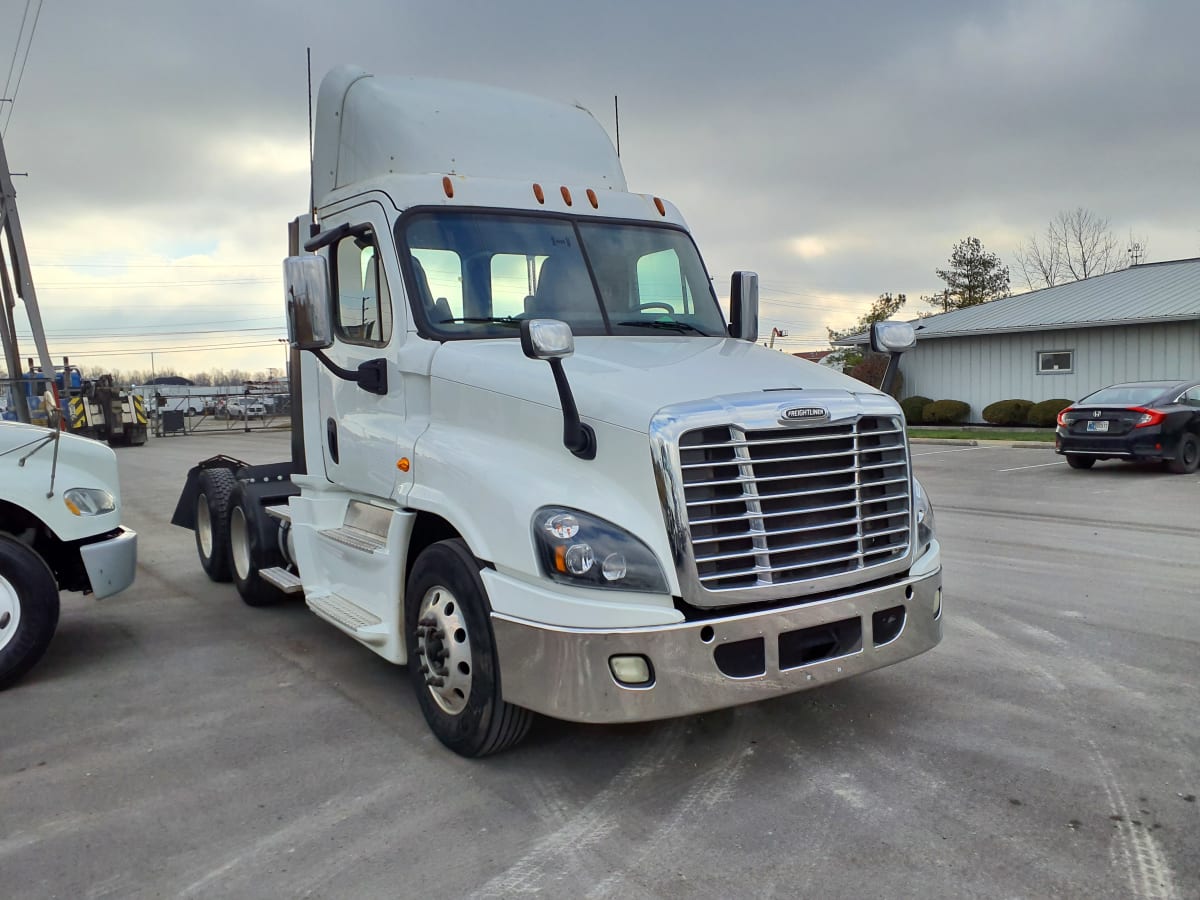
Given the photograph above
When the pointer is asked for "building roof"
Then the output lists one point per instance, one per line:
(1152, 292)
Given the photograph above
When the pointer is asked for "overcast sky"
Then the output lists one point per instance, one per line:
(838, 149)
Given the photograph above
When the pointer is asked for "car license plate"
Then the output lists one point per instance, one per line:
(1097, 426)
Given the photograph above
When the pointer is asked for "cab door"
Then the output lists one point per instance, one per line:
(358, 429)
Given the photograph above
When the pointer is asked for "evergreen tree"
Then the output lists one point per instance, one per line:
(974, 276)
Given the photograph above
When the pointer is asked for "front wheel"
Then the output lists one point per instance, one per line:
(28, 609)
(1075, 461)
(452, 654)
(1187, 457)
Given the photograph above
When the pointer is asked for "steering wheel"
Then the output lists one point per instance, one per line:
(665, 307)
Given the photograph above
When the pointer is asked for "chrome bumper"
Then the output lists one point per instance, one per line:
(564, 672)
(111, 563)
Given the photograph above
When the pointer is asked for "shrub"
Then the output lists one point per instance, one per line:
(914, 408)
(1008, 412)
(1046, 412)
(946, 412)
(871, 371)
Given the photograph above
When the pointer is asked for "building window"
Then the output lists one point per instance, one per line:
(1056, 362)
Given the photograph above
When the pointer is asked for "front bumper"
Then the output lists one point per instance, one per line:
(564, 672)
(110, 563)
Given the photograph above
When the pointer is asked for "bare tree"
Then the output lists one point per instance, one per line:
(1077, 244)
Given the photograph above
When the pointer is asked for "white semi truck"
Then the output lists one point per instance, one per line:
(530, 457)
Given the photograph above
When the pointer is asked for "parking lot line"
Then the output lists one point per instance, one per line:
(1058, 462)
(955, 450)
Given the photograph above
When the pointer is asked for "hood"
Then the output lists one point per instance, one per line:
(625, 380)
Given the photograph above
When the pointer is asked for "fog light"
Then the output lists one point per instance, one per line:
(630, 669)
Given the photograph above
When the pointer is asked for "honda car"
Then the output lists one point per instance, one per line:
(1140, 420)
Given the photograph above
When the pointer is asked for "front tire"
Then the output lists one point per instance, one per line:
(249, 553)
(1075, 461)
(28, 609)
(212, 522)
(1187, 457)
(452, 654)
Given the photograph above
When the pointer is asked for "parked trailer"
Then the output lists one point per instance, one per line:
(670, 520)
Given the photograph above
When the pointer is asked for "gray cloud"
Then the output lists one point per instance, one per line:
(879, 132)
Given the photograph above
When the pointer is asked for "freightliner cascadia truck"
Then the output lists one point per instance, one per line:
(532, 460)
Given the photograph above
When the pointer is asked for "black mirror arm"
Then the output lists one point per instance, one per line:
(578, 437)
(890, 373)
(371, 375)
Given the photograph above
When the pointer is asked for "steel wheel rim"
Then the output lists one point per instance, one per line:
(1189, 458)
(10, 612)
(239, 542)
(444, 650)
(204, 526)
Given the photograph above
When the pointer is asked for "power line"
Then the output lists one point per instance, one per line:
(20, 74)
(131, 351)
(71, 265)
(109, 285)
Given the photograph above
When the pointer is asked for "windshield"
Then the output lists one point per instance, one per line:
(477, 275)
(1132, 394)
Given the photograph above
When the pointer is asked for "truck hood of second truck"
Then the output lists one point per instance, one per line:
(624, 381)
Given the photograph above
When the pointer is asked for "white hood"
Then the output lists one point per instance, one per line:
(625, 380)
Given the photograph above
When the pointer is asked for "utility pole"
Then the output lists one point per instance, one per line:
(22, 282)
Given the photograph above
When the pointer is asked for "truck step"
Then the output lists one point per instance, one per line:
(351, 618)
(283, 512)
(282, 579)
(366, 541)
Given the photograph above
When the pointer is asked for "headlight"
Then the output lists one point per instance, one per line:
(575, 548)
(926, 523)
(89, 501)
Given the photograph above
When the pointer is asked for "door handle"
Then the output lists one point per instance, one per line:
(331, 439)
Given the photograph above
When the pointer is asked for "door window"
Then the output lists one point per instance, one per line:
(364, 305)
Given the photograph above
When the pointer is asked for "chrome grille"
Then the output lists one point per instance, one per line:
(783, 505)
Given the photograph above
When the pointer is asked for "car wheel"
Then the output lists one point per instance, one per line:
(212, 522)
(1187, 457)
(1075, 461)
(28, 609)
(452, 654)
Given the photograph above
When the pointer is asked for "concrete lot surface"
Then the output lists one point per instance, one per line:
(176, 743)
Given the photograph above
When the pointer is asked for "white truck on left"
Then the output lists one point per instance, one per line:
(60, 529)
(60, 501)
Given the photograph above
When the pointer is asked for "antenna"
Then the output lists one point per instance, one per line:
(617, 116)
(311, 199)
(1136, 251)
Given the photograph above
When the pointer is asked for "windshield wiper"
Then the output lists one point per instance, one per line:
(675, 326)
(476, 320)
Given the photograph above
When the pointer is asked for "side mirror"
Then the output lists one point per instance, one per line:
(743, 306)
(309, 310)
(552, 340)
(893, 337)
(50, 408)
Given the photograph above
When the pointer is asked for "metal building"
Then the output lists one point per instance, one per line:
(1138, 324)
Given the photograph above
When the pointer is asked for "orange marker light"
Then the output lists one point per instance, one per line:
(658, 204)
(560, 558)
(537, 192)
(447, 186)
(591, 195)
(566, 195)
(403, 464)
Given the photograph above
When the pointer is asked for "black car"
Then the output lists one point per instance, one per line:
(1140, 420)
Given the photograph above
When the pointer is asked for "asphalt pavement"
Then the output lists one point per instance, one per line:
(176, 743)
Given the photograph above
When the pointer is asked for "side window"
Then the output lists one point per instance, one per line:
(1192, 397)
(439, 283)
(364, 305)
(661, 285)
(1056, 362)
